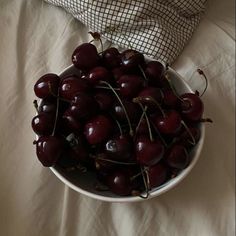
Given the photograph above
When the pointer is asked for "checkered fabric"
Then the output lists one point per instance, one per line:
(157, 28)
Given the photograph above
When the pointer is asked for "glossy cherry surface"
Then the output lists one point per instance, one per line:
(148, 152)
(43, 123)
(98, 74)
(47, 86)
(85, 56)
(98, 129)
(49, 149)
(72, 85)
(154, 71)
(130, 85)
(177, 157)
(157, 175)
(131, 58)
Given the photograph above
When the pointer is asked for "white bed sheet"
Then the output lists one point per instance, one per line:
(36, 38)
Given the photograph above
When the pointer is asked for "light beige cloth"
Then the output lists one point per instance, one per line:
(36, 38)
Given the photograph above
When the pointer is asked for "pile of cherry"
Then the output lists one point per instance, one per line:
(121, 118)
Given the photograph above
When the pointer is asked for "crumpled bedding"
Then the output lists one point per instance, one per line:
(37, 38)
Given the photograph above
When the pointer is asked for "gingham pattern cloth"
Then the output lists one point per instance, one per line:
(157, 28)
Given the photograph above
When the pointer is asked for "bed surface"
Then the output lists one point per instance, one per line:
(36, 38)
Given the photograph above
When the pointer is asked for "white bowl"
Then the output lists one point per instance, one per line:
(84, 182)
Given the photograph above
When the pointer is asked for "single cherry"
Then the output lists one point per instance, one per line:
(130, 85)
(157, 175)
(154, 71)
(83, 106)
(98, 129)
(49, 149)
(47, 105)
(169, 123)
(119, 148)
(131, 108)
(43, 124)
(71, 122)
(131, 58)
(104, 99)
(72, 85)
(177, 157)
(47, 86)
(97, 74)
(155, 93)
(191, 107)
(111, 57)
(170, 100)
(85, 56)
(119, 182)
(148, 152)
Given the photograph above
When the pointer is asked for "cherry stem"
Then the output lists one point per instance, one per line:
(148, 98)
(189, 132)
(36, 105)
(137, 175)
(96, 37)
(119, 126)
(143, 73)
(145, 184)
(131, 132)
(54, 95)
(148, 123)
(102, 87)
(206, 80)
(158, 133)
(140, 120)
(91, 41)
(56, 115)
(115, 162)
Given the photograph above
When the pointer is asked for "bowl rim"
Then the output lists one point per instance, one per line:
(156, 191)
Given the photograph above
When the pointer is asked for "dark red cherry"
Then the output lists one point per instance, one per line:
(191, 107)
(80, 150)
(169, 99)
(131, 58)
(85, 56)
(157, 175)
(97, 74)
(148, 152)
(43, 124)
(118, 72)
(131, 108)
(72, 85)
(47, 86)
(154, 71)
(47, 105)
(98, 129)
(119, 182)
(130, 85)
(83, 106)
(111, 57)
(71, 122)
(49, 149)
(104, 99)
(155, 93)
(168, 124)
(187, 140)
(177, 157)
(119, 148)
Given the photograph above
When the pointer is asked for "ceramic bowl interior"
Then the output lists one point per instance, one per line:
(85, 182)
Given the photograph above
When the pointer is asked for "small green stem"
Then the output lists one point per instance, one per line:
(143, 73)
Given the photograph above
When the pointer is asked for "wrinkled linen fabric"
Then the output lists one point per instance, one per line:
(157, 28)
(37, 38)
